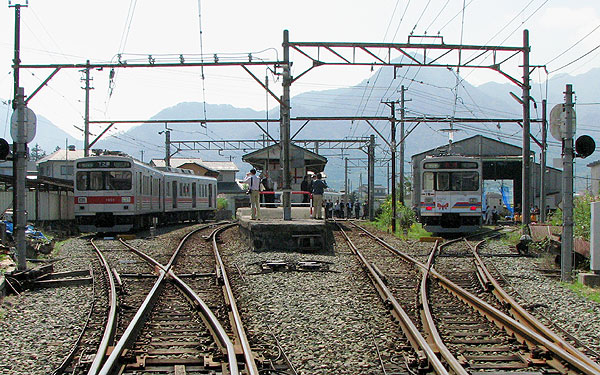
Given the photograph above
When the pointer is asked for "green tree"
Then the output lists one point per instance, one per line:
(405, 216)
(36, 153)
(582, 208)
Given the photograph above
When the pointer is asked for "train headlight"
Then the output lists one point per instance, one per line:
(82, 200)
(126, 199)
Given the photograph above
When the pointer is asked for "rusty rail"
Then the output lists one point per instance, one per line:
(429, 323)
(111, 322)
(138, 320)
(412, 333)
(522, 315)
(215, 326)
(237, 320)
(523, 333)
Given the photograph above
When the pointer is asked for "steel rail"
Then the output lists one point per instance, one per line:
(415, 338)
(230, 298)
(429, 323)
(215, 326)
(140, 316)
(521, 314)
(69, 357)
(111, 323)
(519, 330)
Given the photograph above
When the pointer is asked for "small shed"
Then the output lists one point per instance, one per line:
(595, 176)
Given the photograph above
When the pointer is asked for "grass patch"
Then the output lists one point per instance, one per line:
(415, 232)
(57, 246)
(583, 291)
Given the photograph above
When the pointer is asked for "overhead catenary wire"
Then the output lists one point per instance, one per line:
(202, 60)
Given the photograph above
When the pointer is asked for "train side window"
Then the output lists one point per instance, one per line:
(428, 181)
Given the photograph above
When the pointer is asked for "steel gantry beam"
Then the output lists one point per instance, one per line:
(244, 144)
(438, 54)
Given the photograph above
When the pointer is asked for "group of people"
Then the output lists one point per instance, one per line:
(315, 186)
(354, 210)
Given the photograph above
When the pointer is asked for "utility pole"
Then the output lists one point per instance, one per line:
(167, 133)
(566, 252)
(346, 188)
(526, 171)
(543, 164)
(86, 135)
(402, 110)
(371, 178)
(284, 131)
(392, 106)
(19, 151)
(142, 152)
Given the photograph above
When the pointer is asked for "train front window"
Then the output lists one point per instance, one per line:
(451, 181)
(465, 181)
(443, 181)
(104, 180)
(428, 181)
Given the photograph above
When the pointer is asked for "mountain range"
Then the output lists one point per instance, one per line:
(428, 92)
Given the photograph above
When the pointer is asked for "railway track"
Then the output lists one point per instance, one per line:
(394, 292)
(471, 328)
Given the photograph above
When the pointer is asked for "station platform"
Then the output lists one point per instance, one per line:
(272, 233)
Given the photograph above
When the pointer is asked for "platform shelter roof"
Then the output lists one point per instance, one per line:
(299, 158)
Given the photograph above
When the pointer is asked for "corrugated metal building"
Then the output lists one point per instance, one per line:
(501, 161)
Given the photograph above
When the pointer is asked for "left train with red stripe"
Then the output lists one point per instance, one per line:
(116, 193)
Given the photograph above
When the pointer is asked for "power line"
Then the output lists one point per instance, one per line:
(576, 43)
(574, 61)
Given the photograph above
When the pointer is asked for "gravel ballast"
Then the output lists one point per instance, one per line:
(38, 328)
(326, 322)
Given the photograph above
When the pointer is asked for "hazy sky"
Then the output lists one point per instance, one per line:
(72, 31)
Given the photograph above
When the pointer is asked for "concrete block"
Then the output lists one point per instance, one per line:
(590, 279)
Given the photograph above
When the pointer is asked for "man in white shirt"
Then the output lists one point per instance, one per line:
(254, 185)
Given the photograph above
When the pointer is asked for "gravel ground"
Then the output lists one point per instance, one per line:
(575, 314)
(39, 327)
(327, 322)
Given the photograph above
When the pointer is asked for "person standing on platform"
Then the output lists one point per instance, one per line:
(318, 189)
(305, 185)
(267, 186)
(254, 188)
(357, 210)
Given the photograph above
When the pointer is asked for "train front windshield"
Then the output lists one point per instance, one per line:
(451, 181)
(103, 180)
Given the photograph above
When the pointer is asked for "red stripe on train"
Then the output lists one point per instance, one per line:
(104, 200)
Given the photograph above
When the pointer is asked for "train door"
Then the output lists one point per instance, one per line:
(174, 194)
(138, 200)
(194, 195)
(210, 195)
(160, 194)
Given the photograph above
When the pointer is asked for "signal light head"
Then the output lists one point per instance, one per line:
(584, 146)
(4, 149)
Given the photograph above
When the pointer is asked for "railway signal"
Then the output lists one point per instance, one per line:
(584, 146)
(4, 149)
